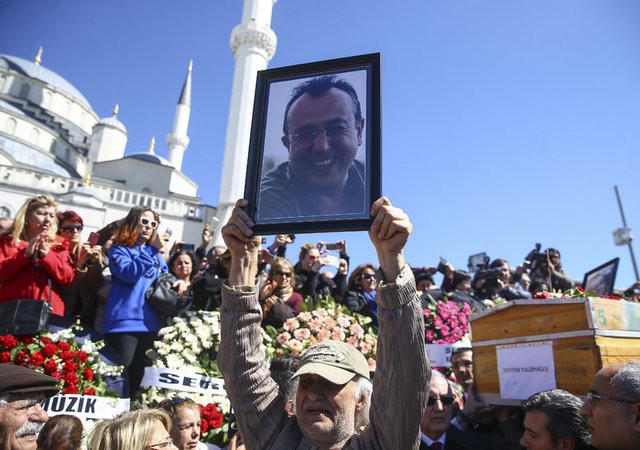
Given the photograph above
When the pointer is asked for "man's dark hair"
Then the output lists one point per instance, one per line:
(562, 410)
(317, 87)
(496, 263)
(458, 350)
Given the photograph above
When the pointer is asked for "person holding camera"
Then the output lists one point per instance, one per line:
(309, 280)
(493, 282)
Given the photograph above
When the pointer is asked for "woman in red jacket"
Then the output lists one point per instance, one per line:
(33, 260)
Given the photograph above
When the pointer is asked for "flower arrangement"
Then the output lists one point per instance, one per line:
(77, 365)
(446, 322)
(328, 321)
(190, 343)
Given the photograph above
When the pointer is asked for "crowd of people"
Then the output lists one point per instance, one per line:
(327, 398)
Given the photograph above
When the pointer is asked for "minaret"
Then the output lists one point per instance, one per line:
(177, 140)
(253, 43)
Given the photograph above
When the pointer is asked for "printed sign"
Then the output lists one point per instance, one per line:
(179, 380)
(525, 369)
(439, 354)
(85, 406)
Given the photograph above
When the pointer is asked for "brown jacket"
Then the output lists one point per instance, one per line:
(402, 372)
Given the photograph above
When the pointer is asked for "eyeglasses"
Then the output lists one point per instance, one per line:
(333, 132)
(446, 400)
(72, 228)
(368, 276)
(592, 397)
(167, 443)
(459, 364)
(282, 273)
(144, 222)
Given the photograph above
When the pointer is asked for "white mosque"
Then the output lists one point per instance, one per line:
(53, 142)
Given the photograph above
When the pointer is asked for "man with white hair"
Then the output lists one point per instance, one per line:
(612, 407)
(333, 393)
(21, 416)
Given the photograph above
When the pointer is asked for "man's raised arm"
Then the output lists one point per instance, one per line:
(402, 368)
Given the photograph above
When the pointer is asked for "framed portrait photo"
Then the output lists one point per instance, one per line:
(601, 279)
(314, 152)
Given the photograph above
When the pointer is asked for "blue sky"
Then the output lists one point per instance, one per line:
(504, 123)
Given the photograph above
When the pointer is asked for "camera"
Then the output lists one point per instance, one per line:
(292, 237)
(333, 246)
(533, 254)
(490, 277)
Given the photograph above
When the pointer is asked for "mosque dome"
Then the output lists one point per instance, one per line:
(38, 72)
(150, 157)
(112, 122)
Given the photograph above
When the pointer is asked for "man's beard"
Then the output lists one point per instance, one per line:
(29, 428)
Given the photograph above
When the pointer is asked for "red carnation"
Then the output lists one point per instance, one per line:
(9, 341)
(82, 356)
(64, 346)
(70, 378)
(36, 359)
(70, 366)
(216, 420)
(56, 375)
(45, 340)
(21, 356)
(89, 391)
(204, 427)
(66, 355)
(210, 409)
(5, 357)
(70, 389)
(50, 366)
(88, 374)
(27, 340)
(49, 349)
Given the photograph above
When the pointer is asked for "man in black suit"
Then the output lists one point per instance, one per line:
(436, 430)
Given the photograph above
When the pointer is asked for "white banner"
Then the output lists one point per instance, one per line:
(525, 369)
(86, 406)
(179, 380)
(439, 354)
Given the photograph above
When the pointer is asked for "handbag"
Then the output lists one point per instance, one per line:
(23, 317)
(161, 297)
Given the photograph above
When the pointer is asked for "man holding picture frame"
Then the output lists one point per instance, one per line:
(322, 131)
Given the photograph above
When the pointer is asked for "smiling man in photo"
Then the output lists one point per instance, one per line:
(322, 132)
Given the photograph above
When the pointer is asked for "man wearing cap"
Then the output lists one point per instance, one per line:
(21, 416)
(332, 397)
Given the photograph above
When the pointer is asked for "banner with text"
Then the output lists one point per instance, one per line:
(86, 406)
(525, 369)
(439, 354)
(179, 380)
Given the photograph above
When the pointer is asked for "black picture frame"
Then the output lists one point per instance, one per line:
(601, 279)
(279, 201)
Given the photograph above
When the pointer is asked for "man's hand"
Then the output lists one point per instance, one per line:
(206, 236)
(243, 246)
(389, 233)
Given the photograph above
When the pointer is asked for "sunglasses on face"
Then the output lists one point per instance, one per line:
(368, 276)
(282, 273)
(446, 400)
(72, 228)
(144, 222)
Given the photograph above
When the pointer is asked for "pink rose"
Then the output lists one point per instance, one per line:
(302, 334)
(283, 338)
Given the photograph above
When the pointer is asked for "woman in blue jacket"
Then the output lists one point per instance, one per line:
(130, 324)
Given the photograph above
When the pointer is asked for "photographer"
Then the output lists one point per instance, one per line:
(493, 282)
(309, 280)
(546, 266)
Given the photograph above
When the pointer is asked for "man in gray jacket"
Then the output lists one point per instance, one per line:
(330, 398)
